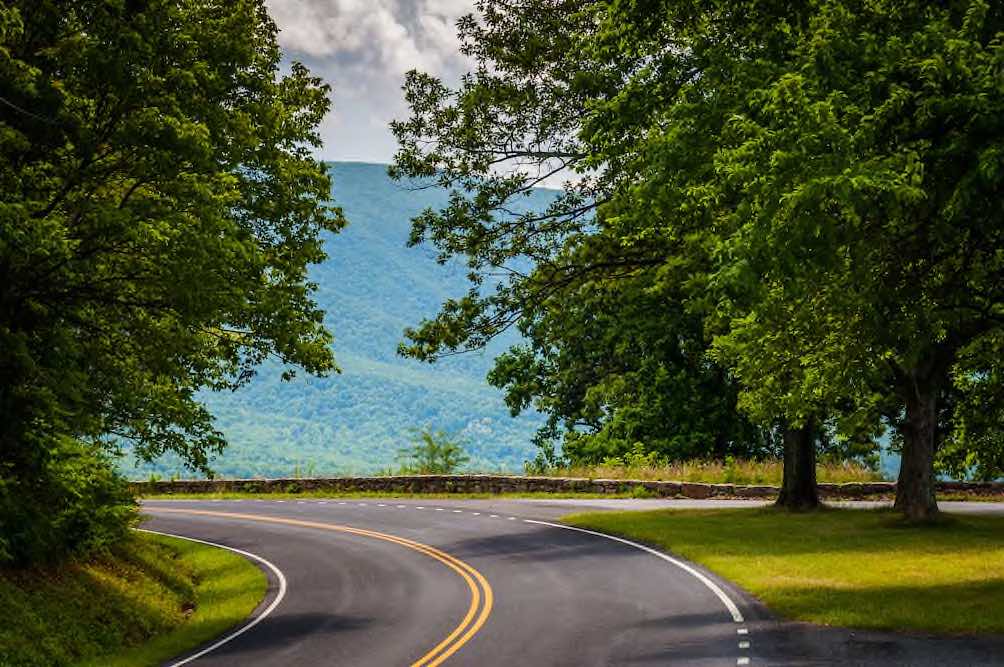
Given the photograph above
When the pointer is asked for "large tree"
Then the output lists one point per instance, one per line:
(633, 98)
(838, 163)
(685, 73)
(872, 173)
(159, 209)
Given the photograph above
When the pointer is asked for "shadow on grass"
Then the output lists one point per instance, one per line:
(84, 613)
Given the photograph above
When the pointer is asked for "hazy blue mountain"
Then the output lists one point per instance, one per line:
(371, 286)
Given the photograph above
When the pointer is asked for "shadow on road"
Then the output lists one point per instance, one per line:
(281, 629)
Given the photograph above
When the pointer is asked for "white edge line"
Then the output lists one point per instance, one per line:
(715, 588)
(254, 621)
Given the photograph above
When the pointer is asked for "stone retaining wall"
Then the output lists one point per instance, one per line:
(521, 484)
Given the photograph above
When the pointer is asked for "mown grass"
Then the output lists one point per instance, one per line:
(852, 568)
(141, 604)
(718, 472)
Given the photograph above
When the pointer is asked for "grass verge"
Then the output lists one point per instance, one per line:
(852, 568)
(141, 604)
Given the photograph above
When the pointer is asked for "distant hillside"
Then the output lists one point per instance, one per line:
(371, 287)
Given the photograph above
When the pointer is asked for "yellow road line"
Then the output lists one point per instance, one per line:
(481, 592)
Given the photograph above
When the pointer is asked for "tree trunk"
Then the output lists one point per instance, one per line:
(721, 445)
(798, 489)
(915, 487)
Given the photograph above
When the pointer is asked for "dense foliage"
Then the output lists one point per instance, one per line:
(159, 208)
(612, 355)
(618, 362)
(74, 504)
(816, 184)
(871, 169)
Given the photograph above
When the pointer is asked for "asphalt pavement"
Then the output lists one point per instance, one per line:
(498, 582)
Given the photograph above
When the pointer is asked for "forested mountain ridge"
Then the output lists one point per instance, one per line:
(371, 287)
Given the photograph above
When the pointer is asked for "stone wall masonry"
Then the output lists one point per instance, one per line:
(495, 484)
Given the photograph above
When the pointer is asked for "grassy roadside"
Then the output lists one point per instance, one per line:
(853, 568)
(141, 604)
(730, 471)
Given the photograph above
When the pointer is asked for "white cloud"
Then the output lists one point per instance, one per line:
(398, 33)
(363, 49)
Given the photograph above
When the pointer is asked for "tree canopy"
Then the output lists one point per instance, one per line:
(871, 175)
(816, 183)
(159, 208)
(615, 360)
(522, 117)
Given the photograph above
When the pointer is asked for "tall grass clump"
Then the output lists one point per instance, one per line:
(637, 464)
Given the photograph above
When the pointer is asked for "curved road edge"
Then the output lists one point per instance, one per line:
(733, 608)
(482, 595)
(255, 618)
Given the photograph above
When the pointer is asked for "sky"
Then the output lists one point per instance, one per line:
(363, 48)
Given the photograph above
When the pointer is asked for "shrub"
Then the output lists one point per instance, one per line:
(433, 453)
(635, 457)
(76, 505)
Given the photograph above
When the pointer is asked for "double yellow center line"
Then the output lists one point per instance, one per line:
(481, 592)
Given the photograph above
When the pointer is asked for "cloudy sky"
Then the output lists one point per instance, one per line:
(363, 48)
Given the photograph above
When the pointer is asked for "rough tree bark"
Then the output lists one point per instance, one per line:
(915, 488)
(798, 488)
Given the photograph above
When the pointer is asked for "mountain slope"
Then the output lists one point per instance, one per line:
(372, 286)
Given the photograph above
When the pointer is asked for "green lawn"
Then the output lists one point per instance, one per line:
(148, 601)
(854, 568)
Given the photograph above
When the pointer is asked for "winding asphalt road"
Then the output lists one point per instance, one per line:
(483, 583)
